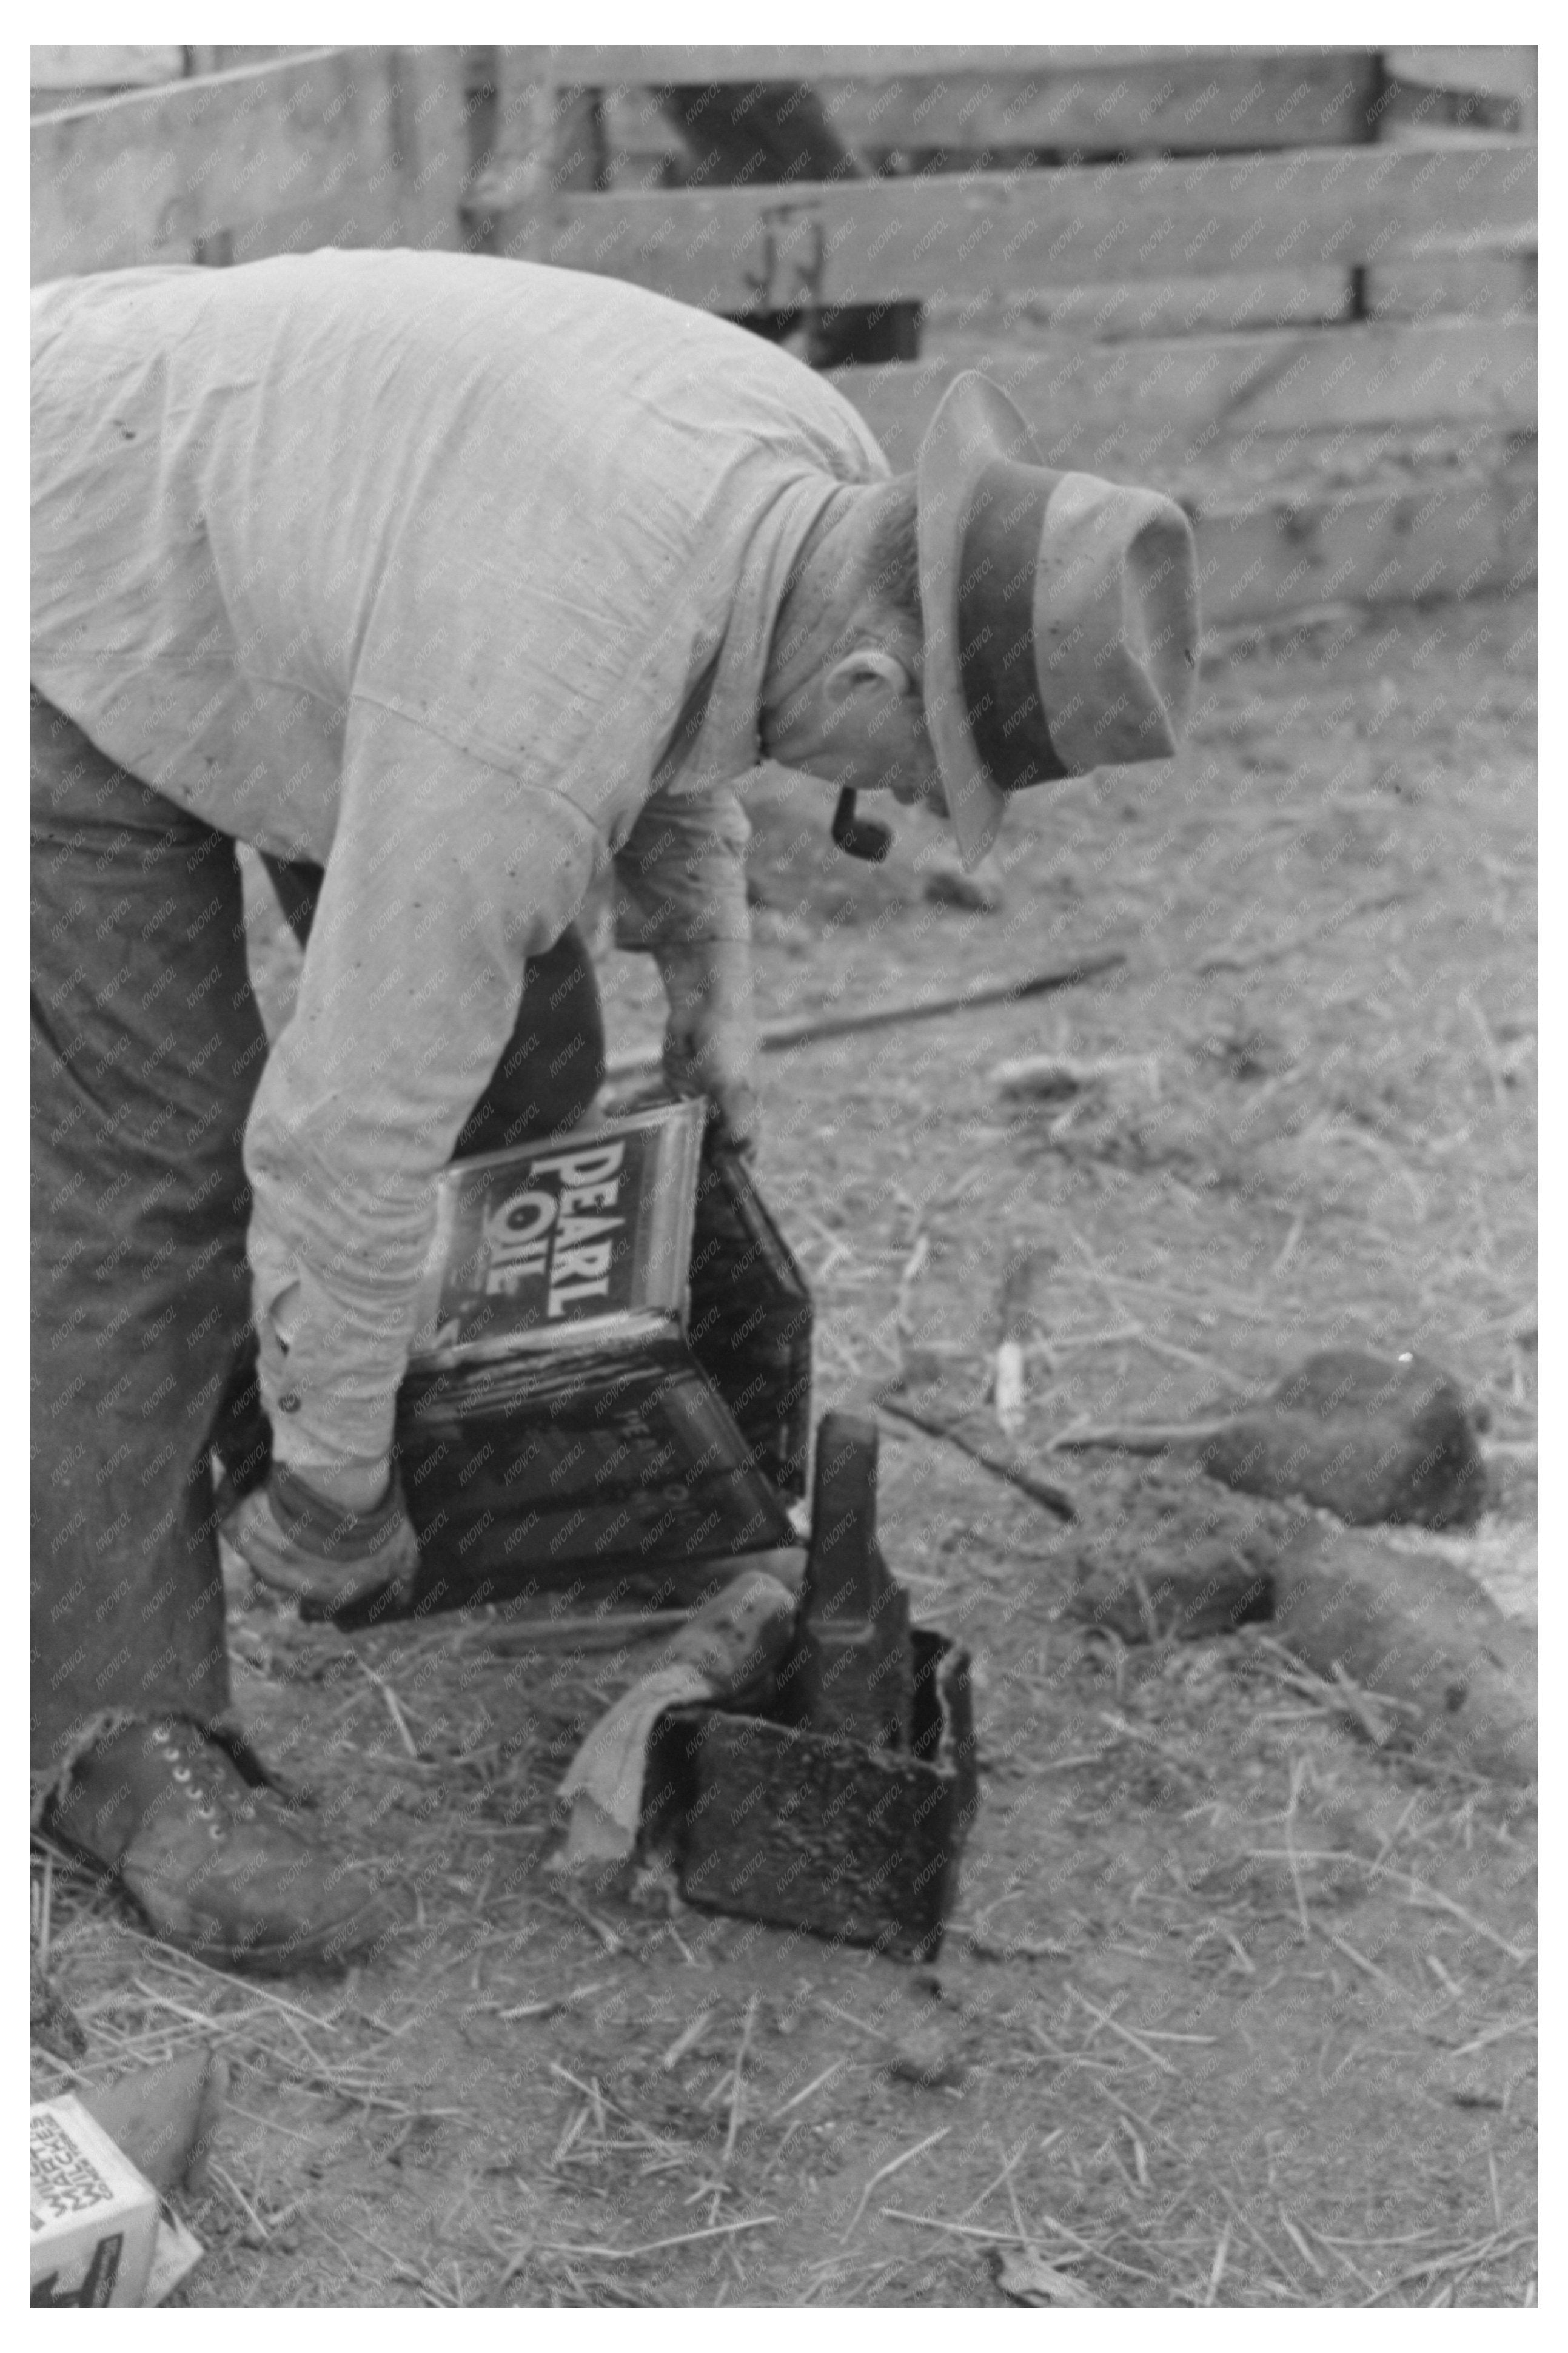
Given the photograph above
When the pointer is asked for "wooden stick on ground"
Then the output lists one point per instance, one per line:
(778, 1037)
(515, 1637)
(1040, 1490)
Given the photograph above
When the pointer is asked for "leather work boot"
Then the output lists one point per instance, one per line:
(217, 1867)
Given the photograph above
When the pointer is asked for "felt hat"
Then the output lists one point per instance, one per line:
(1060, 613)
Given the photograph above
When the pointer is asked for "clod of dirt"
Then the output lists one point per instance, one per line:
(1354, 1434)
(948, 886)
(1049, 1078)
(927, 2055)
(1180, 1560)
(1411, 1628)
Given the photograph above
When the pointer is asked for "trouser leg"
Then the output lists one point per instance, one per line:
(147, 1045)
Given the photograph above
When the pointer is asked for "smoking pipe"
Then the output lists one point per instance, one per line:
(861, 837)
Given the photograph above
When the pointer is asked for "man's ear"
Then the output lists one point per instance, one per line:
(867, 666)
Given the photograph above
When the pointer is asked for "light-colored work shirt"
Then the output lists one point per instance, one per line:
(412, 565)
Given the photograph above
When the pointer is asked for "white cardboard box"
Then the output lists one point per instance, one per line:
(94, 2218)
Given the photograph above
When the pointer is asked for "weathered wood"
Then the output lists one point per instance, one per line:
(1010, 1466)
(595, 65)
(362, 146)
(411, 189)
(1455, 97)
(1491, 68)
(531, 108)
(1459, 534)
(430, 148)
(735, 250)
(84, 76)
(806, 1029)
(211, 58)
(1157, 307)
(145, 177)
(1161, 404)
(1467, 286)
(546, 137)
(1156, 410)
(643, 141)
(1248, 100)
(1135, 104)
(80, 65)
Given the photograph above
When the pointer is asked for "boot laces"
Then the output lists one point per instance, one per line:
(204, 1771)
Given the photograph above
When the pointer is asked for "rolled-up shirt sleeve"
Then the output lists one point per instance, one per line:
(443, 875)
(680, 875)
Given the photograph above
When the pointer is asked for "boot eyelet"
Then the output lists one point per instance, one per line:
(182, 1772)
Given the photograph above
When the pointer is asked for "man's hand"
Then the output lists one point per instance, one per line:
(711, 1039)
(300, 1541)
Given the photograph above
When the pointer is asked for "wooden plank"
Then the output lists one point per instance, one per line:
(1217, 101)
(80, 65)
(735, 250)
(414, 195)
(223, 58)
(594, 66)
(83, 75)
(1176, 306)
(1491, 68)
(533, 113)
(1161, 404)
(1417, 130)
(1437, 97)
(433, 150)
(148, 176)
(1475, 286)
(1417, 542)
(1179, 106)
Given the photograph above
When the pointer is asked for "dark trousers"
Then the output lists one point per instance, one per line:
(146, 1050)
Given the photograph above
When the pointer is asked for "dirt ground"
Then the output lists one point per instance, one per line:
(1235, 2009)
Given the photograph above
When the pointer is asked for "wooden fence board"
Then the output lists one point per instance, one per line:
(410, 192)
(1175, 105)
(1491, 68)
(1372, 544)
(433, 150)
(1180, 106)
(367, 146)
(597, 65)
(1160, 404)
(1473, 286)
(81, 75)
(147, 176)
(223, 58)
(735, 250)
(85, 65)
(1176, 306)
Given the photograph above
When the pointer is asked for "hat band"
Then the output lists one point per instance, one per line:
(998, 565)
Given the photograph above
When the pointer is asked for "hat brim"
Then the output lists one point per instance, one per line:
(975, 424)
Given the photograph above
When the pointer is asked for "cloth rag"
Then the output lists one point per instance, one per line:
(732, 1644)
